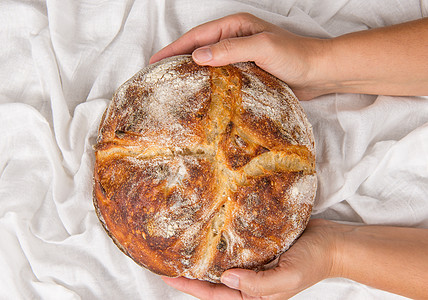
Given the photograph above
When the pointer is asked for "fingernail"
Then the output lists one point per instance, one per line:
(202, 55)
(231, 280)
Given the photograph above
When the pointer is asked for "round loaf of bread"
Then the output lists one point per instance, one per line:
(202, 169)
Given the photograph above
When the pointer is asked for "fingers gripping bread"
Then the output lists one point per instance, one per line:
(202, 169)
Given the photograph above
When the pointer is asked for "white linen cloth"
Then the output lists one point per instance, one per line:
(61, 61)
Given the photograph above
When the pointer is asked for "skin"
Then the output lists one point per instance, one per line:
(393, 259)
(390, 61)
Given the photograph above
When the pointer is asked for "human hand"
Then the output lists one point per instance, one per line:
(244, 37)
(311, 259)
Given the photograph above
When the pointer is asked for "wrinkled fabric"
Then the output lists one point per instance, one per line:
(61, 61)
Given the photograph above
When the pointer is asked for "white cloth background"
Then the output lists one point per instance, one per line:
(60, 64)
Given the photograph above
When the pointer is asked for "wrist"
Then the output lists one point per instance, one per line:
(330, 242)
(321, 75)
(339, 234)
(336, 68)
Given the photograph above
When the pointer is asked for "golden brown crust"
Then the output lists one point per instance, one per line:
(202, 169)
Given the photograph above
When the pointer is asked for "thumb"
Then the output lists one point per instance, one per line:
(263, 283)
(232, 50)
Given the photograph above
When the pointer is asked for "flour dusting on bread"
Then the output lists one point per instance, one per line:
(202, 169)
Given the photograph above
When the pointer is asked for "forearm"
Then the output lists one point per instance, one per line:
(394, 259)
(391, 60)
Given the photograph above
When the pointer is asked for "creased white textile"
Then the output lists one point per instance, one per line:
(60, 64)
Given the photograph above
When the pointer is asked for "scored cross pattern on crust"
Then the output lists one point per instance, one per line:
(192, 190)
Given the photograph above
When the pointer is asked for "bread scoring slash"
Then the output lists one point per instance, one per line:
(202, 169)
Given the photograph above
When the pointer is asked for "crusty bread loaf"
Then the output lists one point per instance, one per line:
(200, 169)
